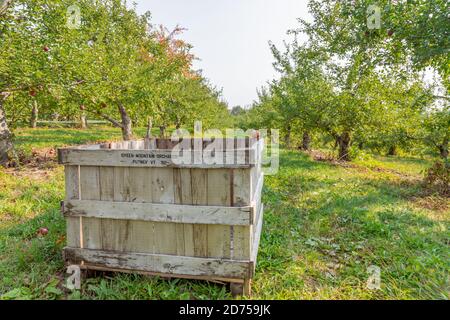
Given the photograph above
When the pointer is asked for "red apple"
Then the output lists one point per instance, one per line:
(82, 107)
(43, 231)
(45, 48)
(390, 32)
(32, 93)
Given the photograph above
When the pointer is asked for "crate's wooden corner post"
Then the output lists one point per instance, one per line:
(74, 235)
(241, 289)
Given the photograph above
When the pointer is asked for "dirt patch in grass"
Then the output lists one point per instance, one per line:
(39, 157)
(433, 203)
(39, 165)
(328, 157)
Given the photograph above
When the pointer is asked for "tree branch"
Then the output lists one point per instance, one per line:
(116, 123)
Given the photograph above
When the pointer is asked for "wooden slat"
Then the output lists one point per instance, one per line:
(218, 279)
(73, 232)
(140, 158)
(199, 189)
(141, 234)
(163, 193)
(114, 186)
(183, 196)
(219, 194)
(72, 182)
(256, 199)
(257, 238)
(90, 190)
(89, 183)
(159, 212)
(167, 264)
(242, 235)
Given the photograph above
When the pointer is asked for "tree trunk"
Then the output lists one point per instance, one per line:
(127, 131)
(149, 128)
(287, 137)
(306, 141)
(83, 121)
(392, 151)
(34, 115)
(443, 149)
(344, 145)
(162, 131)
(5, 137)
(360, 145)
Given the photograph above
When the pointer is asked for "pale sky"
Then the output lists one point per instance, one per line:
(231, 38)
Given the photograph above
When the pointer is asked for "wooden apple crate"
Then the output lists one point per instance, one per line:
(130, 208)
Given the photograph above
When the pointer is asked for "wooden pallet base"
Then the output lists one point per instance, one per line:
(238, 287)
(213, 270)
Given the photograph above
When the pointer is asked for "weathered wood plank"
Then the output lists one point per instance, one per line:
(257, 238)
(143, 158)
(141, 234)
(199, 189)
(112, 232)
(163, 193)
(256, 198)
(242, 235)
(90, 190)
(73, 232)
(172, 213)
(72, 183)
(219, 194)
(89, 183)
(183, 196)
(218, 279)
(167, 264)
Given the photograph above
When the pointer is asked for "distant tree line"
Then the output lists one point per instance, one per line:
(356, 87)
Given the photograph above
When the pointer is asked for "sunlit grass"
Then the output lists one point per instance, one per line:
(324, 226)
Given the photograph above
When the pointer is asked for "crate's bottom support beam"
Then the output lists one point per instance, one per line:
(90, 267)
(158, 263)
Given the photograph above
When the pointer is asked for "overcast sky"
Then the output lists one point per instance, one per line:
(231, 38)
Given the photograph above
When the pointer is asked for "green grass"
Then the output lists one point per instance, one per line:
(26, 139)
(324, 226)
(402, 165)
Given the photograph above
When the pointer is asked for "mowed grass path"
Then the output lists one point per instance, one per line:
(324, 226)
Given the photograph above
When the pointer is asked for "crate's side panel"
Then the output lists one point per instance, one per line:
(242, 196)
(199, 189)
(72, 182)
(163, 192)
(90, 190)
(219, 193)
